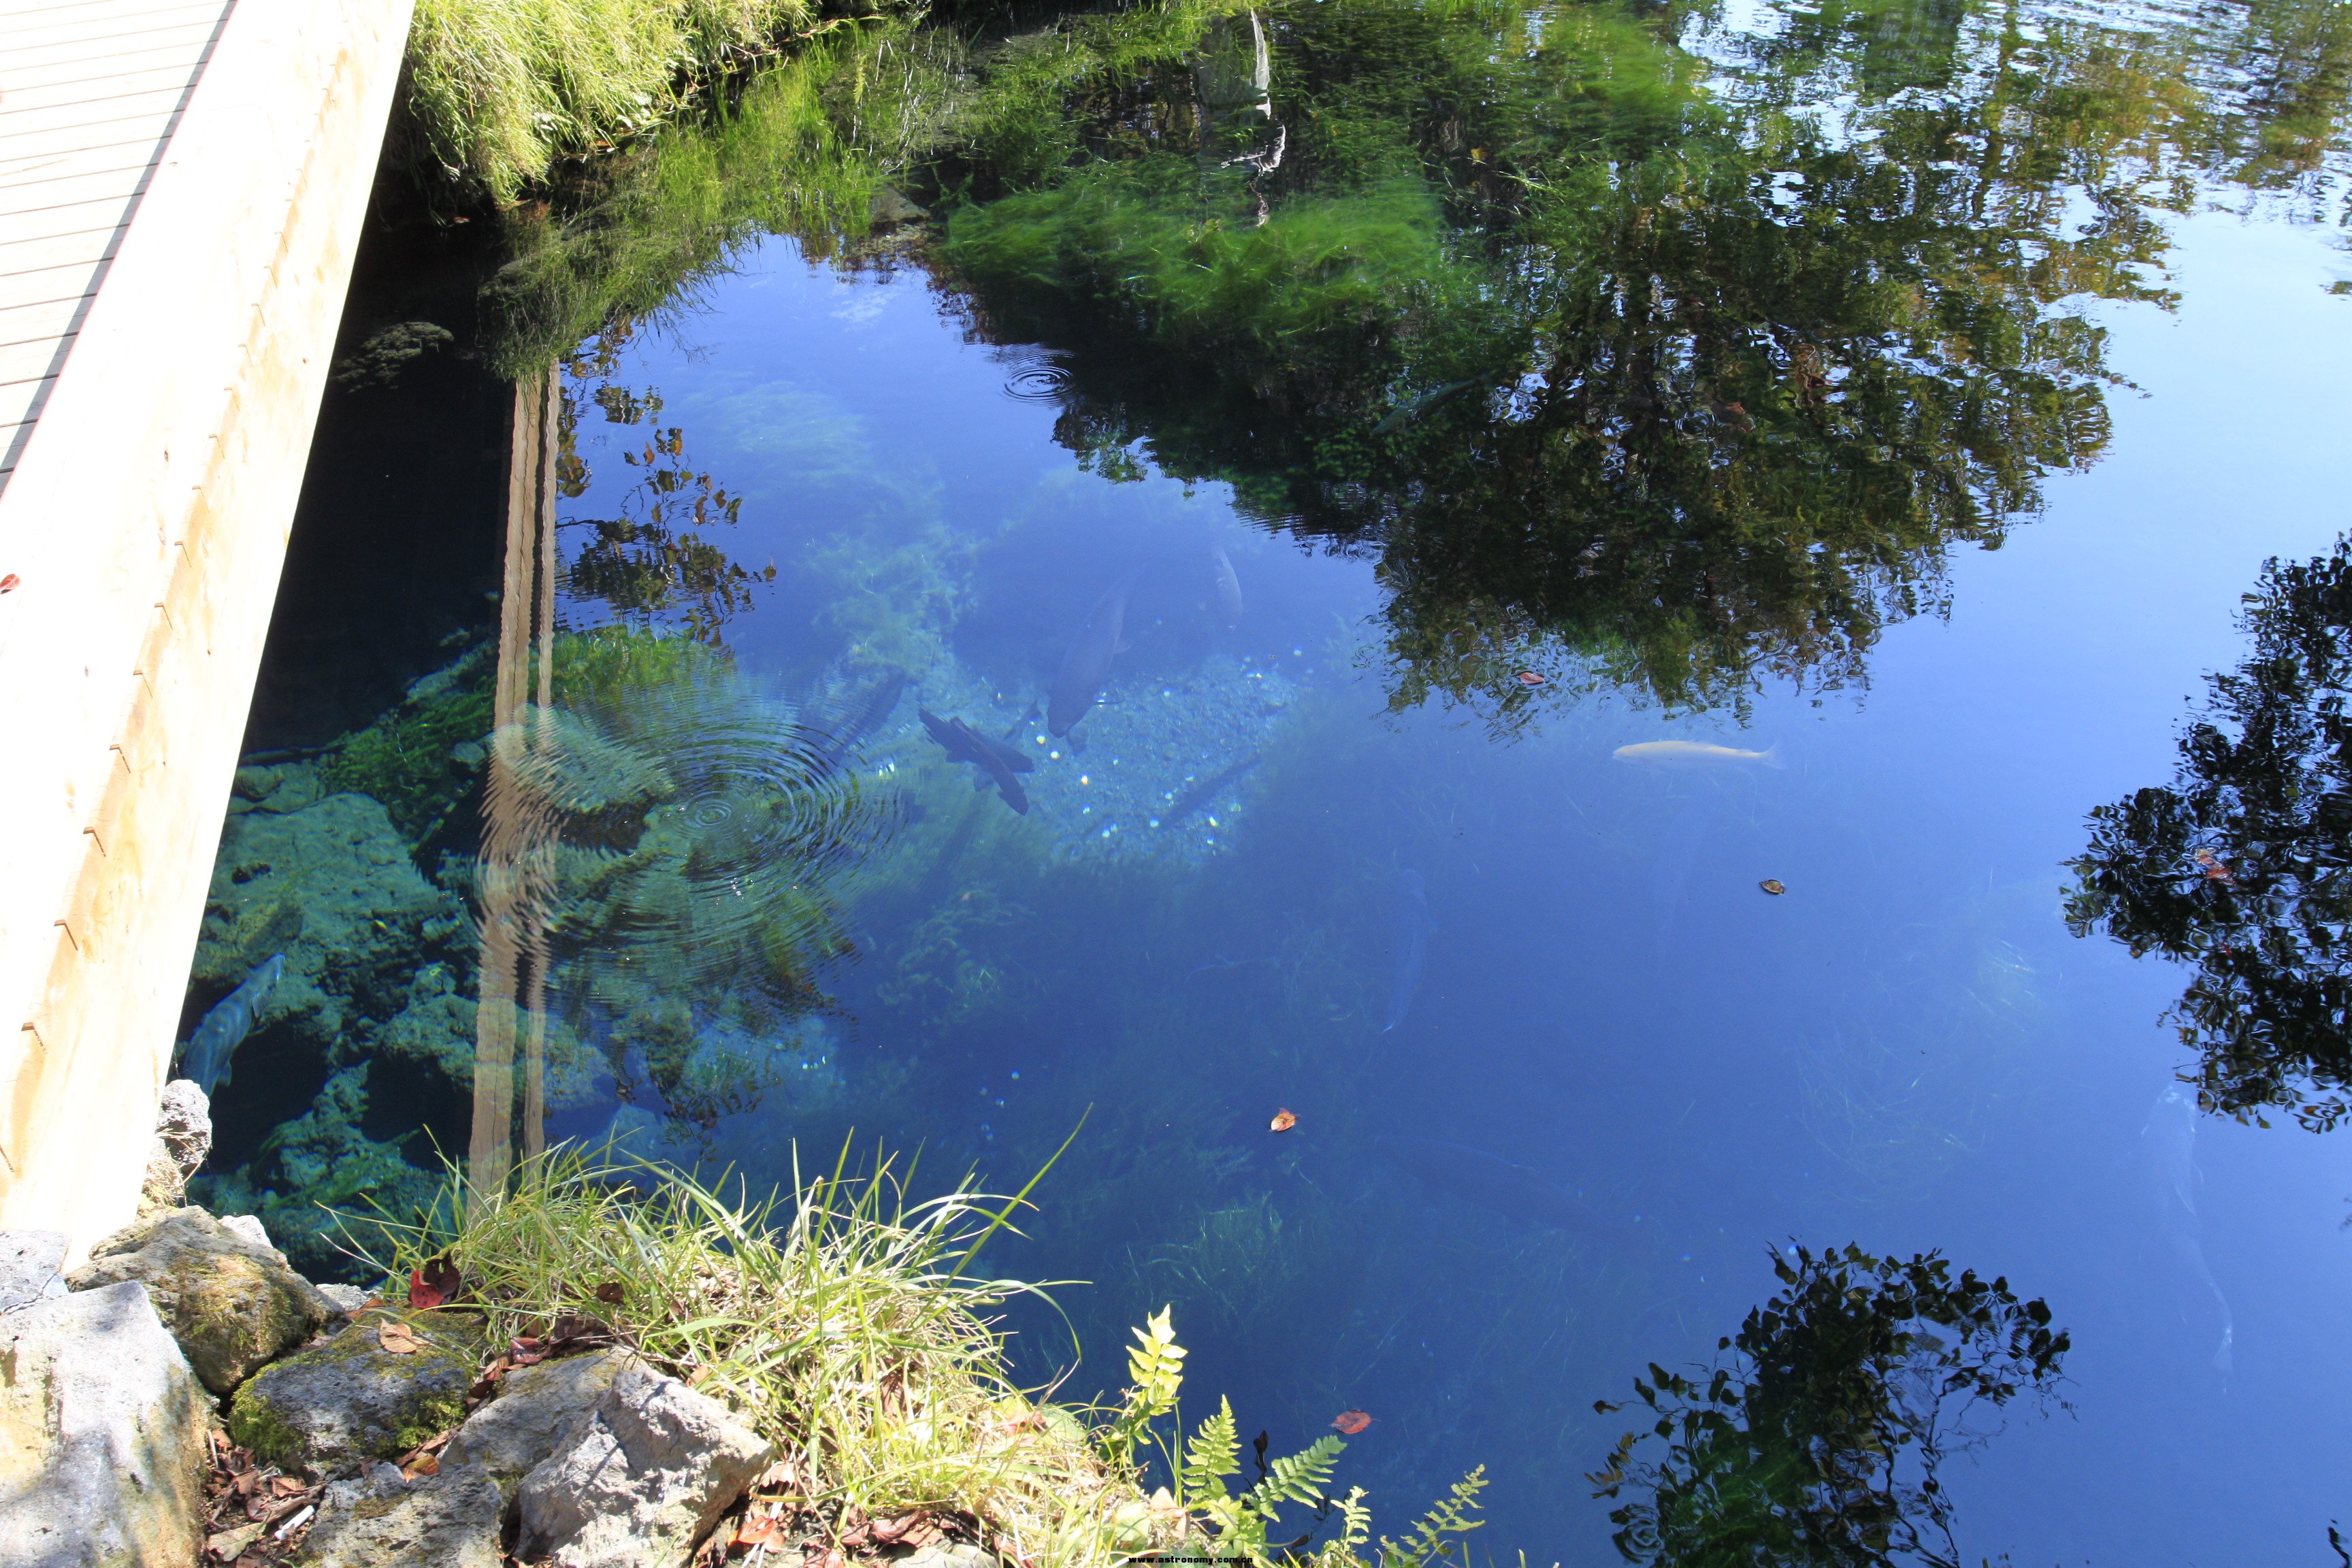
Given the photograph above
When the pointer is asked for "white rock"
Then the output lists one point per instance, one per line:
(101, 1436)
(183, 1141)
(535, 1410)
(249, 1227)
(640, 1480)
(29, 1265)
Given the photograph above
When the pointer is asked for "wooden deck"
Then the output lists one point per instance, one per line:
(90, 91)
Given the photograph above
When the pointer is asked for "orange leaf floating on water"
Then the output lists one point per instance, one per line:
(1529, 677)
(1351, 1422)
(1283, 1121)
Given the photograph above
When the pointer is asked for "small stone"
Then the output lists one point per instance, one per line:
(536, 1409)
(451, 1520)
(638, 1481)
(345, 1299)
(249, 1227)
(890, 206)
(233, 1306)
(101, 1436)
(29, 1261)
(346, 1400)
(183, 1141)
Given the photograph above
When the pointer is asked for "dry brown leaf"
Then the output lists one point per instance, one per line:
(421, 1466)
(397, 1338)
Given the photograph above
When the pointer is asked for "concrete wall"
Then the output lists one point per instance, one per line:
(146, 521)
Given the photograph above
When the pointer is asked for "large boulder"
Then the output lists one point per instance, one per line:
(447, 1521)
(347, 1399)
(536, 1409)
(232, 1303)
(101, 1436)
(640, 1480)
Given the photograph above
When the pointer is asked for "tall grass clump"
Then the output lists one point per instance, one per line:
(499, 90)
(842, 1320)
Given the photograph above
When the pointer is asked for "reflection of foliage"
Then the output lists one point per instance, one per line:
(689, 841)
(1687, 374)
(803, 151)
(1819, 1441)
(654, 560)
(2243, 867)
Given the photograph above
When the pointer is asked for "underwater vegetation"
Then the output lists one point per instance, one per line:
(2240, 869)
(1818, 1439)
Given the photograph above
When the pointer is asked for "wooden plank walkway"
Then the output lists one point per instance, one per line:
(90, 91)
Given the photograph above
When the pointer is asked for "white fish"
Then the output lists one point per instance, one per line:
(1694, 753)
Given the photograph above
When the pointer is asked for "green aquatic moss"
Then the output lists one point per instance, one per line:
(423, 760)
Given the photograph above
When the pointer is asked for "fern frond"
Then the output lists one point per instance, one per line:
(1296, 1478)
(1214, 1454)
(1155, 1363)
(1449, 1516)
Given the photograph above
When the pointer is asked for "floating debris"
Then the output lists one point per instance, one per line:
(1529, 677)
(1351, 1422)
(1284, 1121)
(1774, 886)
(1690, 753)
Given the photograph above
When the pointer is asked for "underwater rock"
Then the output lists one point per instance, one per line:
(233, 1305)
(346, 1399)
(289, 787)
(535, 1408)
(102, 1424)
(183, 1140)
(447, 1520)
(640, 1480)
(434, 1037)
(29, 1265)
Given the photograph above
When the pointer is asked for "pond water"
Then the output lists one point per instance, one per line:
(1549, 591)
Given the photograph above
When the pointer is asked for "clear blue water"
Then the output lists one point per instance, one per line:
(1905, 1050)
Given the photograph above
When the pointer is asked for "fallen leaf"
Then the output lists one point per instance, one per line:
(613, 1294)
(1774, 886)
(1284, 1121)
(245, 1481)
(1351, 1422)
(397, 1338)
(287, 1486)
(8, 584)
(759, 1531)
(434, 1285)
(1529, 677)
(421, 1466)
(230, 1544)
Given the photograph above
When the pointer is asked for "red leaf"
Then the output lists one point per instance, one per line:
(1351, 1422)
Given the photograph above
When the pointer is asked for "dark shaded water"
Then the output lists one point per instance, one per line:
(1440, 402)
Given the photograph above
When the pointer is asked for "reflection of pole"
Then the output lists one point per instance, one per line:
(508, 911)
(534, 1058)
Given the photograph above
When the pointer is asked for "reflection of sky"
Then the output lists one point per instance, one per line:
(1905, 1050)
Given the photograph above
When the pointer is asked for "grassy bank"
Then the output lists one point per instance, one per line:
(844, 1321)
(498, 91)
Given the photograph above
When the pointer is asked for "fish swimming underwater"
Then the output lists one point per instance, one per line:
(1491, 1182)
(879, 705)
(999, 763)
(1229, 586)
(1207, 790)
(1410, 932)
(205, 1057)
(1694, 753)
(2168, 1142)
(1086, 666)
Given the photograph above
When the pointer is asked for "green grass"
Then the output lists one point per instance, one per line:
(499, 90)
(842, 1321)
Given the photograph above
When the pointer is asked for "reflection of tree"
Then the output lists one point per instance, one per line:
(1679, 374)
(656, 561)
(1818, 1441)
(2243, 867)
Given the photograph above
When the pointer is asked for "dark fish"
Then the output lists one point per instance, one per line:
(206, 1055)
(878, 706)
(1229, 587)
(1028, 717)
(963, 744)
(1088, 664)
(1201, 794)
(1414, 407)
(1494, 1183)
(1410, 926)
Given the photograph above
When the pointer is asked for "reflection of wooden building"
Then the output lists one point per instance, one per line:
(513, 998)
(182, 189)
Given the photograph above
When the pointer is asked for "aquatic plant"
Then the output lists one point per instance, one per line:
(423, 760)
(841, 1319)
(2241, 867)
(1819, 1439)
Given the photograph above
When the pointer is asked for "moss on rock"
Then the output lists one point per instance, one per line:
(347, 1400)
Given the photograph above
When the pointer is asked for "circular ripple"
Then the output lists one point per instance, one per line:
(1038, 383)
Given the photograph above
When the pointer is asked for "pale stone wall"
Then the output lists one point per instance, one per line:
(145, 519)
